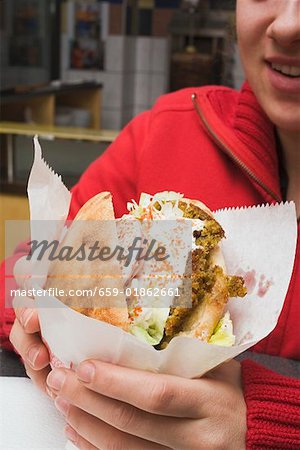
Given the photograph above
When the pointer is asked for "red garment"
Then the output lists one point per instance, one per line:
(169, 148)
(223, 152)
(273, 406)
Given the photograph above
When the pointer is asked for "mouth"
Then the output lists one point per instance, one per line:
(288, 71)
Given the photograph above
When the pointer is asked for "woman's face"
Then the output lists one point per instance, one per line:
(269, 41)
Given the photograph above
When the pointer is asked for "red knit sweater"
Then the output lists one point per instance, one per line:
(273, 409)
(221, 150)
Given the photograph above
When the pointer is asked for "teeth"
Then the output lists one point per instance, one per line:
(295, 71)
(292, 71)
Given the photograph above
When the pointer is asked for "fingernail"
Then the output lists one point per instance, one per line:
(85, 372)
(62, 405)
(71, 434)
(32, 355)
(56, 379)
(26, 316)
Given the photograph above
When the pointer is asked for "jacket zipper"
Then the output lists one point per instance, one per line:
(229, 152)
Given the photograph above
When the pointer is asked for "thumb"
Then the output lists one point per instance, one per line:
(24, 273)
(229, 372)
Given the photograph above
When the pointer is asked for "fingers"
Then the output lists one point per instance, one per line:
(39, 378)
(91, 433)
(27, 342)
(120, 415)
(26, 314)
(20, 302)
(28, 318)
(29, 346)
(229, 372)
(22, 271)
(25, 275)
(77, 440)
(156, 393)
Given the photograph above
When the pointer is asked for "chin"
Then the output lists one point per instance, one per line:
(287, 124)
(283, 110)
(285, 116)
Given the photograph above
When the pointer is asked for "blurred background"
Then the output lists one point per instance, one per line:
(76, 71)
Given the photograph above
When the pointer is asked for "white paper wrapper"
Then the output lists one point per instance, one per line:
(260, 245)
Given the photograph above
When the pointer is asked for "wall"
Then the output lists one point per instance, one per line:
(135, 70)
(12, 75)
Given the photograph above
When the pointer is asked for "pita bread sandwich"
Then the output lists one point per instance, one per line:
(206, 318)
(211, 287)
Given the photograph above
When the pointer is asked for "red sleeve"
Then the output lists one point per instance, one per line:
(7, 283)
(115, 171)
(273, 408)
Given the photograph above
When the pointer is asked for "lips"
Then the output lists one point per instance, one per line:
(284, 74)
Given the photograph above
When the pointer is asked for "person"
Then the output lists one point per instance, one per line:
(228, 149)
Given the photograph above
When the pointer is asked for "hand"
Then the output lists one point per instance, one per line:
(25, 333)
(23, 269)
(112, 407)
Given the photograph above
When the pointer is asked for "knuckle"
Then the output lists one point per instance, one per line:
(74, 394)
(71, 391)
(161, 395)
(75, 418)
(216, 440)
(124, 417)
(84, 445)
(115, 444)
(107, 379)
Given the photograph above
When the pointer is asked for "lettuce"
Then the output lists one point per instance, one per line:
(149, 325)
(223, 333)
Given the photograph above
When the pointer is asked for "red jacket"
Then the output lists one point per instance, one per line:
(225, 156)
(218, 147)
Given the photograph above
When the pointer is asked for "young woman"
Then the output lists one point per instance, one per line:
(227, 149)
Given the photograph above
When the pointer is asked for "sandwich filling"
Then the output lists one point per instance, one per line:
(157, 326)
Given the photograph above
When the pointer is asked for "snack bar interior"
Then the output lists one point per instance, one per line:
(75, 72)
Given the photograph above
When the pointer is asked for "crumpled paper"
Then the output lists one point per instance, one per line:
(260, 245)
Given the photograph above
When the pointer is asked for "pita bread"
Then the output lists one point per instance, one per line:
(201, 321)
(94, 222)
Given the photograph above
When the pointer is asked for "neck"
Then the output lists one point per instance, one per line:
(290, 143)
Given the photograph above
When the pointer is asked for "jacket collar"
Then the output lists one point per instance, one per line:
(257, 132)
(242, 126)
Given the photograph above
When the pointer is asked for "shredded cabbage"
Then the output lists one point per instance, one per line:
(145, 208)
